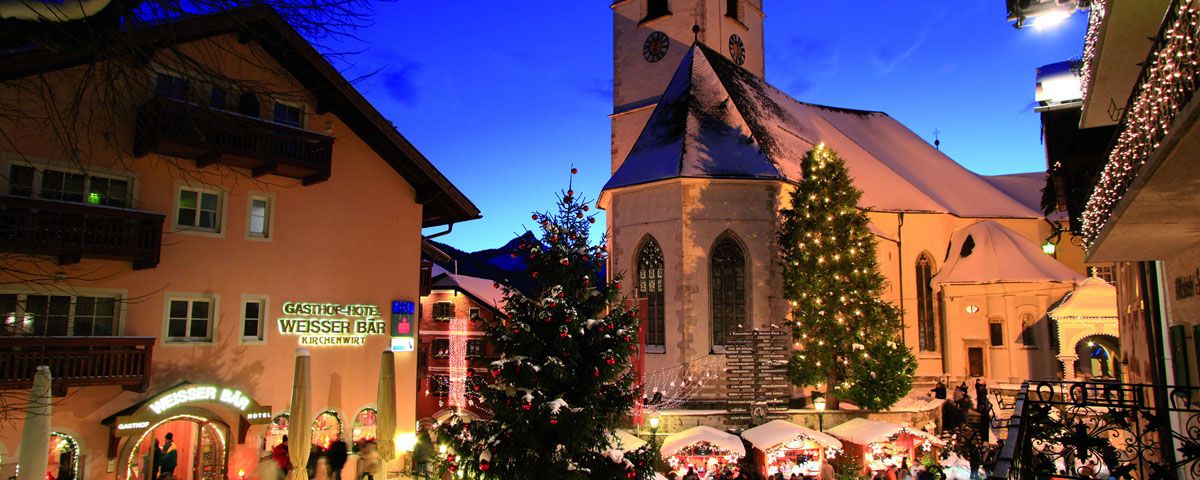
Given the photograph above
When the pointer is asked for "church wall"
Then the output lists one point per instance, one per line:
(969, 311)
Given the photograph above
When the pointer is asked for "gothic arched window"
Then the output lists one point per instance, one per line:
(650, 287)
(656, 8)
(728, 272)
(926, 324)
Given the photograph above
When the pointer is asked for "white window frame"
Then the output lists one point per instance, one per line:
(120, 295)
(269, 222)
(289, 103)
(8, 160)
(222, 210)
(264, 302)
(213, 311)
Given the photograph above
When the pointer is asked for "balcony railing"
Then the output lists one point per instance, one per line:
(1069, 430)
(1166, 85)
(71, 231)
(187, 130)
(77, 361)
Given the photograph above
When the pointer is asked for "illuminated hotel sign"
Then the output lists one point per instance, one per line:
(172, 401)
(331, 324)
(403, 321)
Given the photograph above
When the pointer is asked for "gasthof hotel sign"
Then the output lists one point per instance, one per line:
(331, 324)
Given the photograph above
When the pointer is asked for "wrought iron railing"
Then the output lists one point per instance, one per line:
(72, 231)
(1084, 430)
(77, 361)
(1165, 86)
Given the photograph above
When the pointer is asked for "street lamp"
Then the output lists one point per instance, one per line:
(819, 404)
(654, 420)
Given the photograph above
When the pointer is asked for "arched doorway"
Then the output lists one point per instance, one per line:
(63, 457)
(201, 449)
(1097, 357)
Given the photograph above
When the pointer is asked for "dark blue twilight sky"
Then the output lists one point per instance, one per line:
(504, 96)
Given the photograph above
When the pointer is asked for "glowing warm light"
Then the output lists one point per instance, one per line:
(442, 449)
(1051, 20)
(241, 473)
(1049, 248)
(406, 441)
(654, 421)
(819, 404)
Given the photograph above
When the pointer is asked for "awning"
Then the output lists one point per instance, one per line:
(680, 440)
(778, 432)
(865, 432)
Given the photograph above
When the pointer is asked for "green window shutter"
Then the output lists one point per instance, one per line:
(1179, 356)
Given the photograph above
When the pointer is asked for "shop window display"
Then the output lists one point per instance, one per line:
(63, 459)
(364, 427)
(275, 431)
(327, 427)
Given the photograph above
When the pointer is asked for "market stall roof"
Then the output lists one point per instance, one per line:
(680, 440)
(988, 252)
(863, 431)
(778, 432)
(626, 441)
(1094, 298)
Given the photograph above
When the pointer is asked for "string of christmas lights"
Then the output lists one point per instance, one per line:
(1090, 42)
(675, 386)
(458, 363)
(1166, 84)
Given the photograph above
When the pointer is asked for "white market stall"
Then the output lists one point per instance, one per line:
(791, 449)
(702, 448)
(884, 443)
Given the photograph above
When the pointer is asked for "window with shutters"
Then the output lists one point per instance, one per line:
(443, 311)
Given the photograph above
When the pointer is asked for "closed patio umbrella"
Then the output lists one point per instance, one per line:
(300, 426)
(386, 399)
(35, 438)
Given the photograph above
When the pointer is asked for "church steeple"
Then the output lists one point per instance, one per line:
(650, 38)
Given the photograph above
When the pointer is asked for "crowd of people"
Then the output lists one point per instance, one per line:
(326, 462)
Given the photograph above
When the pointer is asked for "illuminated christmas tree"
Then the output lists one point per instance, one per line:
(847, 339)
(564, 381)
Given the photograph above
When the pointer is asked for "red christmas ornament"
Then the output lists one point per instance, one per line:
(564, 334)
(596, 372)
(452, 468)
(484, 465)
(526, 406)
(495, 372)
(585, 208)
(570, 193)
(535, 217)
(631, 474)
(450, 458)
(553, 421)
(497, 284)
(574, 171)
(592, 220)
(610, 361)
(566, 262)
(476, 387)
(534, 275)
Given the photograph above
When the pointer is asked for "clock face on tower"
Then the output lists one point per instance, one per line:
(737, 50)
(656, 47)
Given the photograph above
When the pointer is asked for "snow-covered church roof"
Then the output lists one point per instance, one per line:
(1094, 298)
(718, 120)
(988, 252)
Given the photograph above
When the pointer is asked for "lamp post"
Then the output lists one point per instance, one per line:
(819, 404)
(654, 420)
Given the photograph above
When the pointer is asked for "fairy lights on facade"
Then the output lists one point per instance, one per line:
(1165, 86)
(458, 363)
(1090, 42)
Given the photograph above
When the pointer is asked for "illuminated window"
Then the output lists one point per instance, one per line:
(190, 319)
(728, 282)
(260, 217)
(650, 287)
(439, 385)
(474, 348)
(276, 430)
(327, 428)
(58, 315)
(56, 183)
(364, 427)
(441, 348)
(443, 311)
(926, 323)
(198, 209)
(473, 313)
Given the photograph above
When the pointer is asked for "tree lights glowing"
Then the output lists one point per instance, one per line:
(1166, 85)
(845, 336)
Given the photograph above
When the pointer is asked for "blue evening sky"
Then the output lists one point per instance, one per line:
(503, 97)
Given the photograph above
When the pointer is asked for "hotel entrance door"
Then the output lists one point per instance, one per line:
(200, 450)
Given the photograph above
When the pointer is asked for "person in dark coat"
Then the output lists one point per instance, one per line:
(336, 457)
(421, 453)
(280, 455)
(168, 459)
(939, 391)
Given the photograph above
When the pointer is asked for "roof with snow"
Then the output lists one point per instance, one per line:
(988, 252)
(863, 431)
(1094, 298)
(718, 120)
(680, 440)
(482, 289)
(778, 432)
(626, 441)
(1025, 188)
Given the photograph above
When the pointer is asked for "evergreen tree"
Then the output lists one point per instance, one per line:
(564, 380)
(846, 337)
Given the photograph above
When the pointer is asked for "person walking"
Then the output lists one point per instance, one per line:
(421, 453)
(335, 457)
(280, 455)
(939, 390)
(168, 459)
(691, 474)
(368, 462)
(826, 472)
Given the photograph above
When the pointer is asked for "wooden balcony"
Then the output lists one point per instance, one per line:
(72, 231)
(77, 361)
(209, 136)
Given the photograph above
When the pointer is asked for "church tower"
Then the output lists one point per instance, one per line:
(650, 38)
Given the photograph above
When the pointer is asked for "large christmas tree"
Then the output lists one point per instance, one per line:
(847, 339)
(564, 381)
